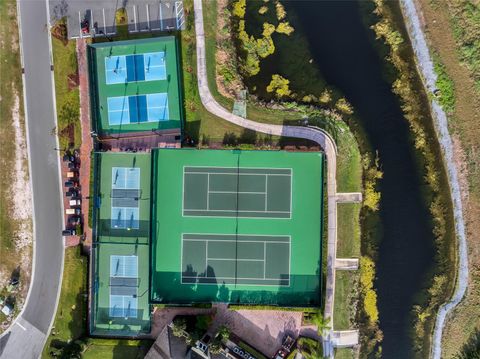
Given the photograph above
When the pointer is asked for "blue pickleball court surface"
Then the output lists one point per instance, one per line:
(134, 68)
(137, 109)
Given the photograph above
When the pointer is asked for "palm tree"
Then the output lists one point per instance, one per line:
(322, 324)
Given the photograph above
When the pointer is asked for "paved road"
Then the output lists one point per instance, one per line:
(317, 135)
(25, 339)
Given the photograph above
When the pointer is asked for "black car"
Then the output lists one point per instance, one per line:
(70, 184)
(72, 192)
(74, 220)
(68, 232)
(68, 158)
(72, 165)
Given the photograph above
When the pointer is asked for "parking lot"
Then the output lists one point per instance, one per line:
(90, 18)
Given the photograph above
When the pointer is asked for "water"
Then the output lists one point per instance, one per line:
(342, 50)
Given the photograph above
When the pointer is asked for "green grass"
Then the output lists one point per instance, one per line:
(345, 289)
(348, 231)
(70, 320)
(344, 353)
(10, 86)
(445, 84)
(116, 349)
(68, 100)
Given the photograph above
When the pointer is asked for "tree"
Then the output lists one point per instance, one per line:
(178, 327)
(320, 322)
(310, 348)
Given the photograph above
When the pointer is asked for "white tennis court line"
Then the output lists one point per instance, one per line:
(238, 192)
(265, 259)
(238, 259)
(208, 191)
(133, 299)
(230, 259)
(240, 174)
(232, 210)
(229, 240)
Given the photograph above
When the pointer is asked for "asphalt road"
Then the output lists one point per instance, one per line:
(25, 339)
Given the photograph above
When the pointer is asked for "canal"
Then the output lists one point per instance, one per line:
(344, 55)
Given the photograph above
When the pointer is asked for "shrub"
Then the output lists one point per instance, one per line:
(325, 96)
(344, 106)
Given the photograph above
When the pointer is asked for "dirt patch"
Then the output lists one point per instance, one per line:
(21, 213)
(225, 55)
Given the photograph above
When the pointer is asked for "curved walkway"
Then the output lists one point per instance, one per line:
(426, 68)
(317, 135)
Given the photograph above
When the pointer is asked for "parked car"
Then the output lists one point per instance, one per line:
(72, 174)
(75, 202)
(68, 157)
(68, 232)
(74, 220)
(71, 183)
(76, 211)
(72, 165)
(72, 192)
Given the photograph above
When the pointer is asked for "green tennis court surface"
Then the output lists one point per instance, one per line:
(135, 85)
(236, 259)
(236, 226)
(237, 192)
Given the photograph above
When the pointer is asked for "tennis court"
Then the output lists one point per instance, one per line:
(237, 192)
(135, 86)
(125, 196)
(236, 226)
(120, 253)
(123, 286)
(236, 259)
(134, 68)
(137, 109)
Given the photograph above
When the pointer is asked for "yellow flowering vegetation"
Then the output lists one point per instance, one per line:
(280, 10)
(372, 174)
(285, 28)
(279, 85)
(367, 276)
(263, 10)
(344, 106)
(326, 96)
(239, 8)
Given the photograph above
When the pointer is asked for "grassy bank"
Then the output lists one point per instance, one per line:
(386, 21)
(69, 332)
(66, 91)
(452, 28)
